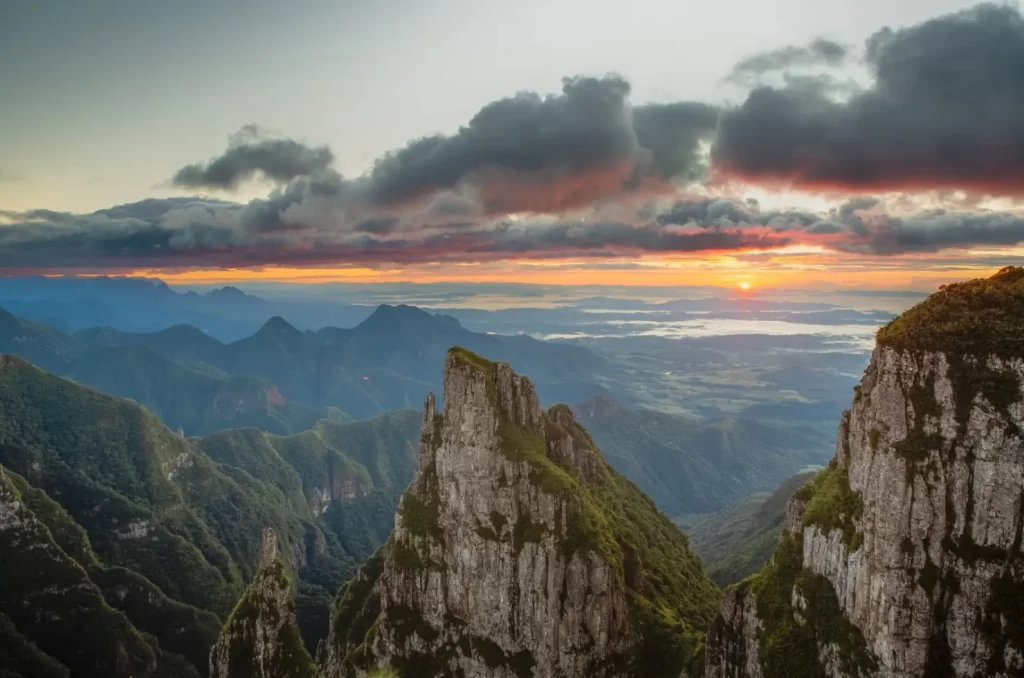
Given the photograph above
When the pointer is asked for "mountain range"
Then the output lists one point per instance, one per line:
(129, 544)
(515, 548)
(282, 379)
(73, 303)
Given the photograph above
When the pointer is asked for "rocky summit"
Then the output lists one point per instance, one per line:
(518, 552)
(261, 637)
(903, 559)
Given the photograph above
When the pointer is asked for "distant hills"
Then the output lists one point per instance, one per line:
(149, 305)
(282, 379)
(689, 466)
(126, 545)
(738, 540)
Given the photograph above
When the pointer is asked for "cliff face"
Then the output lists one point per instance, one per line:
(518, 552)
(910, 543)
(261, 637)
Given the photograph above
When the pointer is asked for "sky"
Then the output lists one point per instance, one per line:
(791, 144)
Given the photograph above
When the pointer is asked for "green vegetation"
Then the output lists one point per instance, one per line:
(463, 356)
(166, 529)
(20, 658)
(831, 504)
(50, 601)
(266, 606)
(693, 467)
(738, 540)
(798, 611)
(790, 638)
(671, 598)
(609, 515)
(179, 628)
(43, 345)
(420, 516)
(978, 317)
(356, 613)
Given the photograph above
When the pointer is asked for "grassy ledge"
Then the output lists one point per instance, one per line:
(978, 317)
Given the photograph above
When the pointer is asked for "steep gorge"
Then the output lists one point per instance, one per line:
(903, 559)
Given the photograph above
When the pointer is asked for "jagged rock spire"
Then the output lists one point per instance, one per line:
(261, 637)
(513, 556)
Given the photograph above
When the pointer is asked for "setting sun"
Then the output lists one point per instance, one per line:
(744, 285)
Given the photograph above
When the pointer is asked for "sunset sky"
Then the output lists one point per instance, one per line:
(794, 144)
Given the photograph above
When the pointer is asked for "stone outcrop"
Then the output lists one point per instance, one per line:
(514, 555)
(912, 537)
(261, 637)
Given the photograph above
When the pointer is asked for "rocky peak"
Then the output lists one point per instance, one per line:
(903, 559)
(388, 318)
(514, 553)
(278, 327)
(261, 637)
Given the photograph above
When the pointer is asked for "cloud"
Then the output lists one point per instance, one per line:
(819, 52)
(249, 155)
(556, 152)
(188, 232)
(724, 212)
(524, 153)
(934, 231)
(945, 110)
(194, 232)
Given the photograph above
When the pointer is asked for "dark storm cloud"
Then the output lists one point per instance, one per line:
(589, 126)
(524, 153)
(672, 133)
(945, 110)
(614, 238)
(250, 155)
(938, 230)
(185, 232)
(820, 52)
(717, 212)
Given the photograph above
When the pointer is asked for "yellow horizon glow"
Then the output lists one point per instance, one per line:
(728, 271)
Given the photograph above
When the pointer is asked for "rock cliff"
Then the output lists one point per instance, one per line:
(903, 559)
(261, 637)
(518, 552)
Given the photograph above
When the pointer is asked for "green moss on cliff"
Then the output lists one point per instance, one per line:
(463, 356)
(355, 616)
(260, 606)
(671, 597)
(977, 317)
(790, 638)
(831, 504)
(420, 516)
